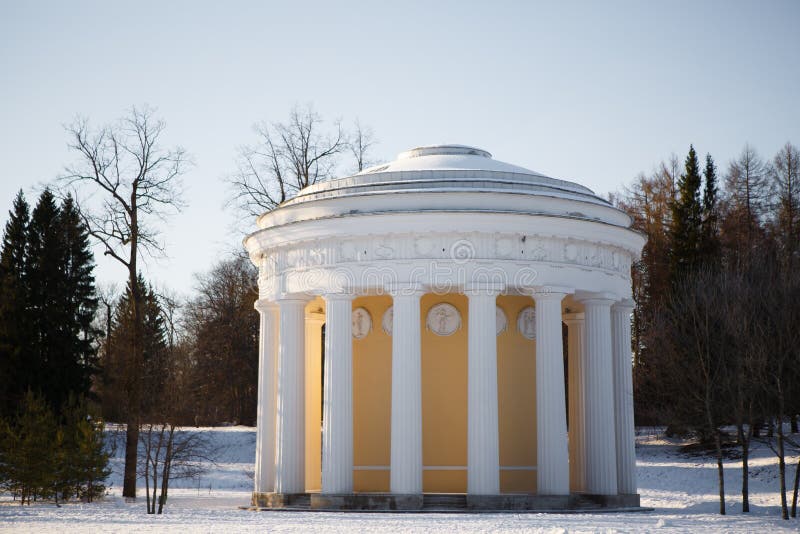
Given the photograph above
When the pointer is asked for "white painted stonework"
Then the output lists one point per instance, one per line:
(450, 219)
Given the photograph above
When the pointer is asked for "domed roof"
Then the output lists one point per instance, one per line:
(449, 177)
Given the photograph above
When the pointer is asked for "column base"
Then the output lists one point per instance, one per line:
(445, 502)
(280, 500)
(366, 502)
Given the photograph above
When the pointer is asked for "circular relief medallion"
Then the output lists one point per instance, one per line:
(388, 318)
(443, 319)
(500, 320)
(362, 323)
(526, 322)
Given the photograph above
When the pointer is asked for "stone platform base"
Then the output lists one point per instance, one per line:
(445, 502)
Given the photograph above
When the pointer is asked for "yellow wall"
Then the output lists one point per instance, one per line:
(444, 401)
(314, 321)
(372, 399)
(516, 398)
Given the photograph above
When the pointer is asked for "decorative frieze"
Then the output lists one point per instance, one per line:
(310, 259)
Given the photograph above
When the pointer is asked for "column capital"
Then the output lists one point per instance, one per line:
(624, 306)
(404, 290)
(264, 305)
(484, 288)
(545, 293)
(337, 295)
(290, 298)
(596, 297)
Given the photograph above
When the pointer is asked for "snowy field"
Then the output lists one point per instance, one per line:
(681, 488)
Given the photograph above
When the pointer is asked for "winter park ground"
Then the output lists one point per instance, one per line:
(680, 487)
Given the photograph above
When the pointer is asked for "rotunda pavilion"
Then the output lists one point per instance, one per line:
(445, 330)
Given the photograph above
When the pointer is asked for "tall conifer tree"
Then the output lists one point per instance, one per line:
(48, 292)
(709, 239)
(15, 331)
(686, 220)
(46, 333)
(125, 372)
(80, 299)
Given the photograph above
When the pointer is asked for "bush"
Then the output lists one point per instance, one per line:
(40, 458)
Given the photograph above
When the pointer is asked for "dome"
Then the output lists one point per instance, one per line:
(446, 177)
(451, 204)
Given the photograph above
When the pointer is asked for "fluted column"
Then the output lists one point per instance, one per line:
(483, 450)
(267, 396)
(290, 427)
(406, 435)
(552, 464)
(337, 418)
(623, 397)
(601, 456)
(575, 366)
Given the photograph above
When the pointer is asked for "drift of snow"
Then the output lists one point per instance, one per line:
(681, 488)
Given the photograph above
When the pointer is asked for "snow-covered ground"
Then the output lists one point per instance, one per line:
(681, 488)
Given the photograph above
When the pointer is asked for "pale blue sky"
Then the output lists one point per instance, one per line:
(587, 91)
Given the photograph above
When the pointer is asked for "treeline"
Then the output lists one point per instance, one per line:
(715, 338)
(199, 362)
(67, 360)
(50, 445)
(144, 357)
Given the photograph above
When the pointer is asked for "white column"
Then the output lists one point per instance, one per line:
(601, 456)
(576, 362)
(290, 427)
(267, 395)
(406, 436)
(552, 464)
(623, 397)
(483, 450)
(337, 405)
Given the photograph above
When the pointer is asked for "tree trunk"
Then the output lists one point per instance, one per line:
(720, 473)
(744, 443)
(165, 472)
(131, 450)
(129, 483)
(147, 480)
(793, 421)
(782, 470)
(796, 485)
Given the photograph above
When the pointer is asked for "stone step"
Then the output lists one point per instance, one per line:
(448, 501)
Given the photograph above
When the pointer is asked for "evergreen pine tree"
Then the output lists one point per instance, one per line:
(93, 456)
(152, 342)
(80, 301)
(28, 450)
(686, 223)
(60, 301)
(15, 331)
(48, 293)
(83, 465)
(709, 238)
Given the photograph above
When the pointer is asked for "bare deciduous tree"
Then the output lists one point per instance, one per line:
(361, 142)
(786, 180)
(694, 345)
(747, 195)
(131, 183)
(288, 157)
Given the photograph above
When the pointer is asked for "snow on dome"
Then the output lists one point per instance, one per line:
(447, 157)
(446, 177)
(443, 150)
